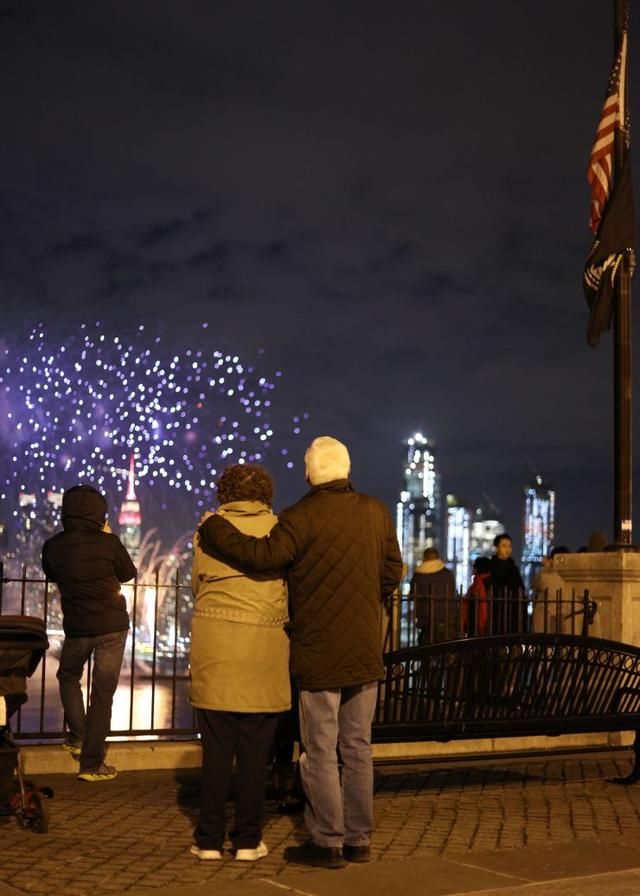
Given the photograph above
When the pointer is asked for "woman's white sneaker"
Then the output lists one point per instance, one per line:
(207, 855)
(252, 855)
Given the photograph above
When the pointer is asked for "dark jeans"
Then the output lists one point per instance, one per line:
(90, 728)
(248, 737)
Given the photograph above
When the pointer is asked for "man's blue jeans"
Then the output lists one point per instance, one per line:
(338, 811)
(90, 728)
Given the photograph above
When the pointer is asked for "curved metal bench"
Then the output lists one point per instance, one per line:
(510, 686)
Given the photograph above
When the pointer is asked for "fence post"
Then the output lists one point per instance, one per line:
(390, 618)
(589, 608)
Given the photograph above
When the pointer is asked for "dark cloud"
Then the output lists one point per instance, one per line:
(390, 203)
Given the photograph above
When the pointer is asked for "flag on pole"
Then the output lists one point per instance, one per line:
(609, 174)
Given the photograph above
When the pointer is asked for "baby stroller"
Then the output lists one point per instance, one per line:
(23, 641)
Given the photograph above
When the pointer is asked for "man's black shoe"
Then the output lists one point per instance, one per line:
(356, 853)
(318, 856)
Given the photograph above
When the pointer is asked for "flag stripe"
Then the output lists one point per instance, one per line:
(600, 170)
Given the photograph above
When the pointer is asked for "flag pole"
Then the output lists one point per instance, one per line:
(622, 376)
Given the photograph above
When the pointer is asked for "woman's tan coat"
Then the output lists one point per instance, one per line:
(239, 649)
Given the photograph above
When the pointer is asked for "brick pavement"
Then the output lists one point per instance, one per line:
(135, 832)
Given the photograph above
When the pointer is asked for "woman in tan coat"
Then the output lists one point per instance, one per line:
(239, 671)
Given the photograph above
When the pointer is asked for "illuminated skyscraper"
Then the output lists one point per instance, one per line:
(27, 512)
(130, 518)
(25, 528)
(539, 518)
(459, 520)
(418, 518)
(486, 524)
(52, 513)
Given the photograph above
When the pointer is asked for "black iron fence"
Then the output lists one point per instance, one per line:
(411, 620)
(152, 699)
(152, 696)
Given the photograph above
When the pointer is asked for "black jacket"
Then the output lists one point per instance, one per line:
(88, 566)
(430, 592)
(343, 559)
(509, 610)
(505, 578)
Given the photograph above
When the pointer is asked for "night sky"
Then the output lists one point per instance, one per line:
(388, 199)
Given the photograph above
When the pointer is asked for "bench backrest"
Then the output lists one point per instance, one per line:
(508, 685)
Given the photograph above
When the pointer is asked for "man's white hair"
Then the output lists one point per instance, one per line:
(326, 459)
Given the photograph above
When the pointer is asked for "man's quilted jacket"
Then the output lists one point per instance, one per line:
(343, 559)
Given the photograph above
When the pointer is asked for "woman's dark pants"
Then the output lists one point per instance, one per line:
(248, 737)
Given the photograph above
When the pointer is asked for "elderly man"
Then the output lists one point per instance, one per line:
(342, 556)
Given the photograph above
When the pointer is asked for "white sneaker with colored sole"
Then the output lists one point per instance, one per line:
(206, 855)
(252, 855)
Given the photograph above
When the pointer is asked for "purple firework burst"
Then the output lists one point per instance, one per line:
(76, 410)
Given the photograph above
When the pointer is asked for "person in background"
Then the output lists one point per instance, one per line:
(239, 666)
(598, 541)
(433, 589)
(475, 608)
(286, 783)
(552, 607)
(509, 612)
(89, 563)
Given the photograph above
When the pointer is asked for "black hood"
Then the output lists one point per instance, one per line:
(83, 507)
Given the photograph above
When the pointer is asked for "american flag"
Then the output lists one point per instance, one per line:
(609, 173)
(600, 170)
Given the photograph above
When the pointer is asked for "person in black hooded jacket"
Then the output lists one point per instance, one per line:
(89, 563)
(507, 589)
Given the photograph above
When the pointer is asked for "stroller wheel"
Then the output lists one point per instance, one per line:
(37, 813)
(46, 791)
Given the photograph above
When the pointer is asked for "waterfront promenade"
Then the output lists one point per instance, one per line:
(550, 825)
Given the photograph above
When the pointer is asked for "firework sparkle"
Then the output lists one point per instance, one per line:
(75, 410)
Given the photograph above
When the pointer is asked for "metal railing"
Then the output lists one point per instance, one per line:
(411, 620)
(152, 697)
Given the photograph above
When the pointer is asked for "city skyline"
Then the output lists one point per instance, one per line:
(428, 516)
(423, 513)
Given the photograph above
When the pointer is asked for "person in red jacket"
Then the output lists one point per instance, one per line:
(475, 607)
(342, 558)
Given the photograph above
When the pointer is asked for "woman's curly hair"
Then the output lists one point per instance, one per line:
(245, 482)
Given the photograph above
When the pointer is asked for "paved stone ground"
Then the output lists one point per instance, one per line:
(135, 832)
